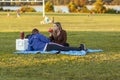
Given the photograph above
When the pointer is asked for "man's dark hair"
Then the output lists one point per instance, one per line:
(35, 31)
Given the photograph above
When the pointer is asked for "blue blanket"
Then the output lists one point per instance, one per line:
(77, 53)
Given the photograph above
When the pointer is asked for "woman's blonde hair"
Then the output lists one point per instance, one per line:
(58, 24)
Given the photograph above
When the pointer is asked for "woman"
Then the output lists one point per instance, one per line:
(38, 42)
(58, 35)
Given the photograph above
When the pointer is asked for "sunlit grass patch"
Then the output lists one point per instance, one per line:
(14, 60)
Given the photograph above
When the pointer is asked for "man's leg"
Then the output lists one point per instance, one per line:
(54, 46)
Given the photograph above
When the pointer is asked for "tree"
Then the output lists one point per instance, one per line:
(72, 7)
(27, 9)
(99, 7)
(117, 2)
(66, 2)
(49, 7)
(84, 9)
(82, 2)
(60, 2)
(77, 2)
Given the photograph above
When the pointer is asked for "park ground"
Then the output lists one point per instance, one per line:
(97, 31)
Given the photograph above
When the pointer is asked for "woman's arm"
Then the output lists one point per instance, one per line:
(62, 38)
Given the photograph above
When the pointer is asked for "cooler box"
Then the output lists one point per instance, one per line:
(21, 44)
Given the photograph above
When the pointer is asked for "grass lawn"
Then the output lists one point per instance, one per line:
(99, 31)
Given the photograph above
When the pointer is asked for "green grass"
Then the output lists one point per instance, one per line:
(97, 32)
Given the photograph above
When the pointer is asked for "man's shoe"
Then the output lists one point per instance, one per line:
(82, 47)
(57, 52)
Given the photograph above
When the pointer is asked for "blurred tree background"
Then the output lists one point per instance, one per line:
(74, 6)
(61, 2)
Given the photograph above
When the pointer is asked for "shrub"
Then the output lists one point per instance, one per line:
(59, 10)
(27, 9)
(109, 10)
(1, 9)
(84, 9)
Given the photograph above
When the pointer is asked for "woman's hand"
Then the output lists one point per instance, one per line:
(50, 30)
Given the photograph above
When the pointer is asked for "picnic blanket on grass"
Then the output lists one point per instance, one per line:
(77, 53)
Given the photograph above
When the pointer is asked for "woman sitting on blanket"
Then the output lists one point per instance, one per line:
(39, 42)
(58, 35)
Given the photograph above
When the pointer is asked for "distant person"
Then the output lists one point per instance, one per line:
(18, 13)
(46, 20)
(39, 42)
(58, 35)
